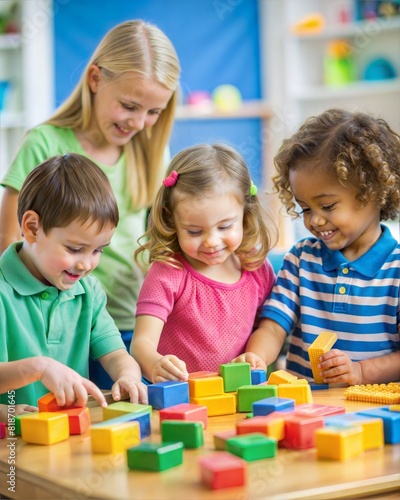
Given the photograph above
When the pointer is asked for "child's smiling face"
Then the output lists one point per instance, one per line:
(65, 255)
(332, 213)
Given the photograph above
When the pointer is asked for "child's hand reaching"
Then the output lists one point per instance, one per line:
(137, 391)
(337, 367)
(169, 367)
(256, 363)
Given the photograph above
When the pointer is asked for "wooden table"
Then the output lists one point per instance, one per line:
(69, 470)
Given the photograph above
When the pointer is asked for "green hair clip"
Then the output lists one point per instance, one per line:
(253, 189)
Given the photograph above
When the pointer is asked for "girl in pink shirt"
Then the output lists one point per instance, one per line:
(207, 242)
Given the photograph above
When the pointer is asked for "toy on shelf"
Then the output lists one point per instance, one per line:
(380, 69)
(310, 24)
(339, 68)
(227, 98)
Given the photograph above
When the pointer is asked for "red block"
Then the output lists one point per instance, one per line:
(300, 432)
(79, 419)
(185, 411)
(2, 430)
(315, 410)
(222, 470)
(48, 403)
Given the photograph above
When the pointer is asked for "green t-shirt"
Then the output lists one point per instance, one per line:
(117, 272)
(40, 320)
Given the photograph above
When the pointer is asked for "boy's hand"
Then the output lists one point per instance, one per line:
(256, 363)
(68, 386)
(337, 367)
(169, 367)
(20, 409)
(137, 391)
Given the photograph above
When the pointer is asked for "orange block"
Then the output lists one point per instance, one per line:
(48, 403)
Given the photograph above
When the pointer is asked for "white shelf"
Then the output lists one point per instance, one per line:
(249, 109)
(10, 120)
(356, 89)
(10, 41)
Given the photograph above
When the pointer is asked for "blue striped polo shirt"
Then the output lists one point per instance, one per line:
(318, 290)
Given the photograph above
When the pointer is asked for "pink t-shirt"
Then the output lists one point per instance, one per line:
(206, 323)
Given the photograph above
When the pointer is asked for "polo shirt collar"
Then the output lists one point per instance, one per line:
(369, 263)
(21, 280)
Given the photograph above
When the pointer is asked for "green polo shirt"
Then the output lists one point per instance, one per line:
(41, 320)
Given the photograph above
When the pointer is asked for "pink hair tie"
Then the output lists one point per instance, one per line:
(171, 179)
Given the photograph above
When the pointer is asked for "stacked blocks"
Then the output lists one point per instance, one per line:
(249, 394)
(115, 438)
(45, 428)
(186, 411)
(189, 433)
(272, 404)
(372, 428)
(391, 422)
(235, 375)
(222, 470)
(339, 443)
(321, 345)
(154, 456)
(208, 391)
(252, 447)
(119, 408)
(258, 376)
(142, 417)
(205, 386)
(170, 393)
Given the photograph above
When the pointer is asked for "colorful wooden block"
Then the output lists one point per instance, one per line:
(258, 376)
(272, 425)
(48, 403)
(280, 377)
(203, 374)
(2, 430)
(114, 438)
(252, 447)
(220, 438)
(185, 411)
(222, 470)
(300, 432)
(142, 417)
(235, 375)
(318, 387)
(17, 422)
(45, 428)
(310, 409)
(205, 386)
(391, 422)
(119, 408)
(248, 394)
(166, 394)
(189, 433)
(79, 420)
(320, 346)
(373, 436)
(301, 393)
(154, 456)
(224, 404)
(339, 443)
(269, 405)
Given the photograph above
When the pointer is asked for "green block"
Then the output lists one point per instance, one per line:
(235, 375)
(154, 456)
(249, 394)
(119, 408)
(189, 433)
(251, 447)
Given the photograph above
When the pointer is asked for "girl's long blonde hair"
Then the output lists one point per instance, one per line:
(143, 48)
(202, 170)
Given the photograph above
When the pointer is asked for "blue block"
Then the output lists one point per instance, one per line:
(391, 422)
(143, 417)
(166, 394)
(269, 405)
(318, 387)
(258, 376)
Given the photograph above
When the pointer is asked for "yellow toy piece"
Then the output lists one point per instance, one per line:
(119, 408)
(45, 428)
(384, 394)
(206, 386)
(321, 345)
(281, 377)
(394, 408)
(225, 404)
(301, 393)
(115, 438)
(339, 443)
(313, 23)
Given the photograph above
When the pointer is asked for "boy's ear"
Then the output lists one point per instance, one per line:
(94, 77)
(30, 225)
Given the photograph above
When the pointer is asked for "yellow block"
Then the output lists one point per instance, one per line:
(45, 428)
(302, 381)
(373, 435)
(339, 443)
(321, 345)
(281, 377)
(207, 386)
(225, 404)
(119, 408)
(115, 438)
(394, 408)
(301, 393)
